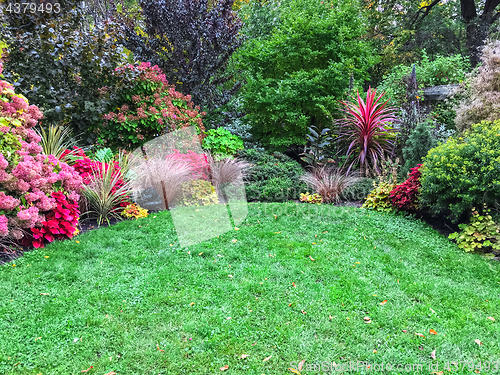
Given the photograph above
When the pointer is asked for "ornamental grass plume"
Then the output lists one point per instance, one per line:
(165, 175)
(329, 182)
(227, 171)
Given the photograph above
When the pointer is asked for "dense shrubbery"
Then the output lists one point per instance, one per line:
(37, 191)
(463, 172)
(359, 190)
(144, 106)
(272, 177)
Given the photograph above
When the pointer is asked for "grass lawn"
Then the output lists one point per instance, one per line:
(129, 299)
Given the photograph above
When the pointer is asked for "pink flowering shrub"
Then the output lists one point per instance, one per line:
(30, 181)
(146, 107)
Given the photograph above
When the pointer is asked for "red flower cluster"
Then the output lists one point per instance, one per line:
(198, 162)
(405, 196)
(60, 223)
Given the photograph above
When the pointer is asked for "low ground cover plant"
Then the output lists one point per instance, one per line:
(481, 232)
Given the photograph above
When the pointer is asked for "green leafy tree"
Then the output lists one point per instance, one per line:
(301, 69)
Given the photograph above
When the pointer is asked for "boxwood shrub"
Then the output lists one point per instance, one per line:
(463, 173)
(273, 177)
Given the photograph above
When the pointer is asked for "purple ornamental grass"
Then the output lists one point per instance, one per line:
(365, 129)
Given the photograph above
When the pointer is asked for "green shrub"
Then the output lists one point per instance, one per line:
(221, 143)
(417, 146)
(463, 172)
(272, 177)
(379, 199)
(198, 193)
(359, 190)
(482, 231)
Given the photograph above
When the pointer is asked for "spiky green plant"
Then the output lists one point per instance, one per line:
(104, 193)
(55, 139)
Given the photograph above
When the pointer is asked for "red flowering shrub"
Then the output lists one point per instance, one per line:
(28, 178)
(405, 196)
(146, 107)
(198, 162)
(60, 223)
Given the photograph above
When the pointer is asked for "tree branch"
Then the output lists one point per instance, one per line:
(423, 12)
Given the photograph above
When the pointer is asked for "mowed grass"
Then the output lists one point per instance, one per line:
(129, 299)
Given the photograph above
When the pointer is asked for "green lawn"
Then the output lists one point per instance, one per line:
(129, 299)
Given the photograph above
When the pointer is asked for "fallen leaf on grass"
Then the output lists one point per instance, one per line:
(419, 334)
(45, 294)
(383, 302)
(331, 317)
(433, 355)
(421, 347)
(491, 318)
(438, 372)
(289, 304)
(294, 371)
(87, 370)
(191, 304)
(432, 310)
(293, 284)
(158, 347)
(234, 240)
(301, 364)
(311, 258)
(432, 332)
(267, 358)
(200, 253)
(478, 342)
(243, 356)
(404, 331)
(111, 373)
(38, 338)
(272, 256)
(374, 351)
(224, 368)
(254, 343)
(303, 312)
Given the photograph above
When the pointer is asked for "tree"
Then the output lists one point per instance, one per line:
(296, 72)
(58, 63)
(192, 42)
(440, 26)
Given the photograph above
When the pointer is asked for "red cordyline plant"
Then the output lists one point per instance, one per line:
(366, 129)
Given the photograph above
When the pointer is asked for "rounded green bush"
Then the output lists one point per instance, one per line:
(463, 172)
(273, 177)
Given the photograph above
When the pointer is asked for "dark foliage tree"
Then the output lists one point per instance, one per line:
(192, 41)
(59, 63)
